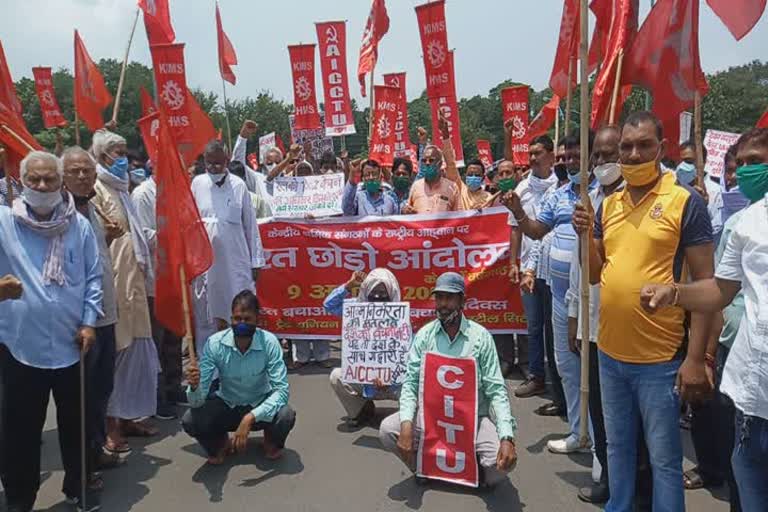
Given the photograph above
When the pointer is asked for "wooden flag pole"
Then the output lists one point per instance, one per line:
(568, 99)
(698, 139)
(584, 240)
(226, 113)
(616, 87)
(370, 112)
(190, 340)
(557, 125)
(116, 107)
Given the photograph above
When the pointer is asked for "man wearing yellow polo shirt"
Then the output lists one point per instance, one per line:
(650, 231)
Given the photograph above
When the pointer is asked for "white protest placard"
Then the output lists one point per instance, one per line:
(375, 340)
(320, 143)
(266, 142)
(297, 196)
(686, 122)
(717, 144)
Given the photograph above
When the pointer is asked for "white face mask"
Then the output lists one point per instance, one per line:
(41, 202)
(607, 174)
(270, 166)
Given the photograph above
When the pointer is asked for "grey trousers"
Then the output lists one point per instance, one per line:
(351, 395)
(486, 445)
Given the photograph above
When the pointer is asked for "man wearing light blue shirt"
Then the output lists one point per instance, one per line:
(254, 387)
(53, 252)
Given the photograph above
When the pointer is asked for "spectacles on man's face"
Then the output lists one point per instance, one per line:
(79, 172)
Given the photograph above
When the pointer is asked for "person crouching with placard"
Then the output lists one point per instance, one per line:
(254, 388)
(452, 381)
(358, 399)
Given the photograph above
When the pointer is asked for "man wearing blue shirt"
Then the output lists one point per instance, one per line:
(53, 253)
(254, 387)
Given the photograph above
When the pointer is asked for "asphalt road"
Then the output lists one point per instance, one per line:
(327, 468)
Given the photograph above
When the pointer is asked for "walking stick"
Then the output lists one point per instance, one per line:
(83, 470)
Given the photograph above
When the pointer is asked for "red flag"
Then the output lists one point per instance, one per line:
(598, 48)
(157, 21)
(147, 103)
(332, 45)
(623, 31)
(385, 107)
(49, 107)
(402, 139)
(664, 58)
(375, 28)
(148, 126)
(514, 104)
(182, 241)
(8, 98)
(91, 95)
(304, 97)
(227, 56)
(484, 153)
(279, 144)
(434, 46)
(204, 130)
(738, 15)
(544, 119)
(567, 50)
(763, 121)
(449, 106)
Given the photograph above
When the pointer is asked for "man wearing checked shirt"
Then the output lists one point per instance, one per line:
(453, 335)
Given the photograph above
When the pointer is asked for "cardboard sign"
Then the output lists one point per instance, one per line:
(297, 196)
(375, 340)
(448, 418)
(320, 143)
(717, 144)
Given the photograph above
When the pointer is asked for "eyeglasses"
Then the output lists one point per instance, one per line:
(77, 172)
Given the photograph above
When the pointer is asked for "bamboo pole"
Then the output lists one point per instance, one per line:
(584, 240)
(83, 465)
(77, 127)
(557, 125)
(370, 113)
(16, 136)
(188, 338)
(226, 113)
(616, 87)
(699, 140)
(116, 107)
(568, 99)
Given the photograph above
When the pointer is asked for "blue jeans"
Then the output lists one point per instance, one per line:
(568, 363)
(644, 391)
(750, 461)
(534, 305)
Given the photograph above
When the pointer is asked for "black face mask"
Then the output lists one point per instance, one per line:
(561, 172)
(83, 200)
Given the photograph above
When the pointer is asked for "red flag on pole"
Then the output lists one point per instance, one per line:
(567, 50)
(402, 137)
(449, 106)
(738, 15)
(8, 98)
(332, 45)
(384, 119)
(763, 121)
(434, 46)
(91, 95)
(181, 237)
(484, 153)
(204, 130)
(375, 28)
(148, 126)
(49, 107)
(514, 104)
(147, 103)
(227, 56)
(544, 119)
(598, 48)
(304, 96)
(157, 21)
(622, 34)
(664, 58)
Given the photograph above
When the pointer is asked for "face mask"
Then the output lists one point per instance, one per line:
(753, 181)
(507, 184)
(447, 318)
(474, 182)
(640, 174)
(372, 186)
(686, 173)
(401, 183)
(607, 174)
(733, 201)
(138, 176)
(270, 167)
(41, 202)
(561, 172)
(429, 171)
(244, 330)
(574, 175)
(119, 167)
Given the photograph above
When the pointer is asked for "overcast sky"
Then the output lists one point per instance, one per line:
(494, 39)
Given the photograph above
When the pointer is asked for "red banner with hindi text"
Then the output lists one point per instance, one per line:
(416, 248)
(49, 107)
(514, 104)
(304, 96)
(402, 137)
(332, 44)
(448, 419)
(386, 102)
(434, 45)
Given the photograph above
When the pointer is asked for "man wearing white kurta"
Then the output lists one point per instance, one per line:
(225, 207)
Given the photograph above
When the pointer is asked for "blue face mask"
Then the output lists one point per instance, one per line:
(243, 330)
(428, 171)
(733, 201)
(686, 173)
(138, 176)
(574, 175)
(119, 167)
(474, 182)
